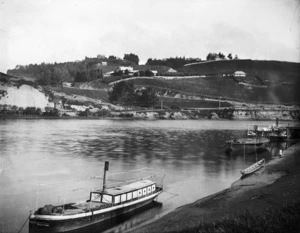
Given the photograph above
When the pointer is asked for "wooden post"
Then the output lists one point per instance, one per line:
(244, 154)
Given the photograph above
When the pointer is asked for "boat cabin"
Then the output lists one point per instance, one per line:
(125, 193)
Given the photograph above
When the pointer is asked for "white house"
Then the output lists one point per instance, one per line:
(239, 74)
(171, 70)
(123, 68)
(154, 72)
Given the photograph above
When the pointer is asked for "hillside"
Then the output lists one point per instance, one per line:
(224, 88)
(268, 71)
(205, 85)
(266, 81)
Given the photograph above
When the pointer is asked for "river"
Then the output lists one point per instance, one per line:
(54, 161)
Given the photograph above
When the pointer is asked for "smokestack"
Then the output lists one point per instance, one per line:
(106, 166)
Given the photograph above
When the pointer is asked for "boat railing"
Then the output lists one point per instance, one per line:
(116, 184)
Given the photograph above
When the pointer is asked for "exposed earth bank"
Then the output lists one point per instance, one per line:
(269, 190)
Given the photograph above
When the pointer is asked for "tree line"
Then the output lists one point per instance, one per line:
(173, 62)
(220, 56)
(55, 74)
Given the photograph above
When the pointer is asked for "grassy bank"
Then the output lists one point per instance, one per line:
(285, 219)
(267, 201)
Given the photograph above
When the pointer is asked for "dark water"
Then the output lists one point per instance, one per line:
(51, 161)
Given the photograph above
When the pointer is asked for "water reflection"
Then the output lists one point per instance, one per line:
(124, 222)
(50, 161)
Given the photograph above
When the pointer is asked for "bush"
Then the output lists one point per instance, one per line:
(51, 112)
(104, 113)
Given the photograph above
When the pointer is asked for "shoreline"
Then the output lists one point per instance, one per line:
(269, 190)
(134, 118)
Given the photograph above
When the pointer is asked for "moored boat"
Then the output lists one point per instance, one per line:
(253, 167)
(247, 144)
(102, 205)
(259, 131)
(279, 134)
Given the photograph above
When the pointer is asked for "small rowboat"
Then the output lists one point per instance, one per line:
(253, 167)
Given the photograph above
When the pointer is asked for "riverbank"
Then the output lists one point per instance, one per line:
(267, 201)
(224, 114)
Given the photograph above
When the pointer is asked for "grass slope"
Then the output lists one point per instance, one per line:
(273, 82)
(226, 88)
(275, 71)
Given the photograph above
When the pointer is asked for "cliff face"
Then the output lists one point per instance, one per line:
(23, 96)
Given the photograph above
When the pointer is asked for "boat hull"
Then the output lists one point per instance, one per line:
(248, 145)
(37, 224)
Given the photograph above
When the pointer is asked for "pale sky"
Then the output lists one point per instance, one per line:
(36, 31)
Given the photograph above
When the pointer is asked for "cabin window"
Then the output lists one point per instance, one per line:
(117, 199)
(135, 194)
(149, 189)
(153, 188)
(139, 193)
(96, 197)
(123, 197)
(107, 198)
(129, 196)
(144, 191)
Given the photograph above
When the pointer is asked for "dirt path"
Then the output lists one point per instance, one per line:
(274, 186)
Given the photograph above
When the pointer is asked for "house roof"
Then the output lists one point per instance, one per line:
(239, 72)
(129, 187)
(160, 69)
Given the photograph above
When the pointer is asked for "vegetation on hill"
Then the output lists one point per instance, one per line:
(220, 56)
(79, 71)
(174, 62)
(132, 58)
(125, 93)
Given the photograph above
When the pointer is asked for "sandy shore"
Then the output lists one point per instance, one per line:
(273, 187)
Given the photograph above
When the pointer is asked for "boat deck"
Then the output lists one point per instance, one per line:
(248, 141)
(77, 208)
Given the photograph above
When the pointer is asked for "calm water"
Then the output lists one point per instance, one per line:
(52, 161)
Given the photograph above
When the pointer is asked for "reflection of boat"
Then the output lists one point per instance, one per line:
(103, 205)
(253, 167)
(247, 143)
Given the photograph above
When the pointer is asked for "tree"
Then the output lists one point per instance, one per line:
(117, 73)
(112, 57)
(132, 57)
(123, 93)
(146, 98)
(236, 57)
(80, 77)
(229, 56)
(221, 56)
(211, 56)
(126, 72)
(149, 73)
